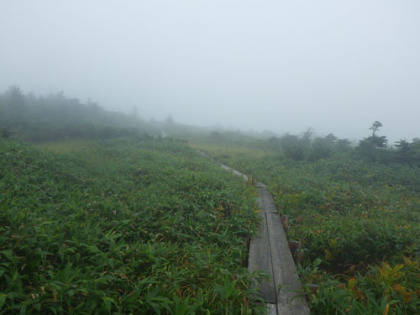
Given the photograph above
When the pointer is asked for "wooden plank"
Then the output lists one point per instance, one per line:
(267, 200)
(284, 269)
(234, 172)
(272, 309)
(259, 259)
(285, 279)
(269, 251)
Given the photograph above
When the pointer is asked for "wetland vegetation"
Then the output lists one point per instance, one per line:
(107, 214)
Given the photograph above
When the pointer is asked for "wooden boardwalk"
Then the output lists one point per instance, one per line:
(269, 251)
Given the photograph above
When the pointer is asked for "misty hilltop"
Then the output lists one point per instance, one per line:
(279, 66)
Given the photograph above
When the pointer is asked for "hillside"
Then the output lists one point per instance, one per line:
(122, 226)
(107, 213)
(355, 216)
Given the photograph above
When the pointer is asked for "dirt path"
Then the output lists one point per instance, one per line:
(269, 251)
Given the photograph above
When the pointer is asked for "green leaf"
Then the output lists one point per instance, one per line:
(7, 253)
(3, 298)
(108, 303)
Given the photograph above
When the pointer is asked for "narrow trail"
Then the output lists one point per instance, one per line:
(269, 251)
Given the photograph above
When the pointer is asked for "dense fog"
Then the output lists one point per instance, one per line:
(284, 66)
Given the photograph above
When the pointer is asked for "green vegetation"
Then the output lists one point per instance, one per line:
(128, 225)
(55, 117)
(105, 216)
(356, 213)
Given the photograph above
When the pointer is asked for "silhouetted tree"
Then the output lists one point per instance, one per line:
(408, 152)
(322, 147)
(373, 146)
(294, 147)
(13, 103)
(342, 145)
(375, 127)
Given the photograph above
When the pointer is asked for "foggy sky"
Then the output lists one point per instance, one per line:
(284, 66)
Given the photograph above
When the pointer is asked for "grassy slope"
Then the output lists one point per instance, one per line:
(358, 223)
(122, 226)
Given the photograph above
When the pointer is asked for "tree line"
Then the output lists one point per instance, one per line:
(308, 147)
(374, 147)
(57, 117)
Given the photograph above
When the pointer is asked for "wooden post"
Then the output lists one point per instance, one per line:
(285, 222)
(296, 250)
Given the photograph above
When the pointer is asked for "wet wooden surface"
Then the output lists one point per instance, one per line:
(269, 251)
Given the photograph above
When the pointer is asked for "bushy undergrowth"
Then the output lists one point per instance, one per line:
(357, 220)
(120, 227)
